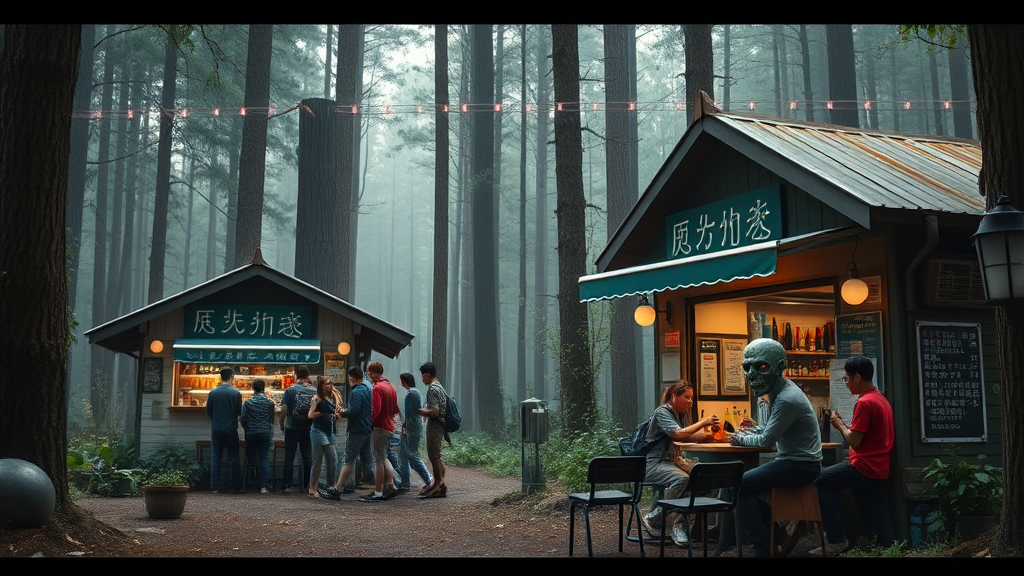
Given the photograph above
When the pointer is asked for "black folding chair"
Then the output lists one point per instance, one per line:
(705, 477)
(605, 470)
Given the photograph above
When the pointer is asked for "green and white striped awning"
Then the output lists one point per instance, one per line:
(718, 267)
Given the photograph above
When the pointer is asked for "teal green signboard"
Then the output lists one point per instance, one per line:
(248, 321)
(749, 218)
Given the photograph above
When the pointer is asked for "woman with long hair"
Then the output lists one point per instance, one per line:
(671, 422)
(323, 410)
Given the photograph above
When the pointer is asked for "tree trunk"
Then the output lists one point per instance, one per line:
(699, 64)
(620, 200)
(99, 377)
(498, 97)
(870, 83)
(79, 155)
(158, 247)
(727, 66)
(348, 92)
(894, 79)
(211, 213)
(327, 61)
(521, 391)
(252, 160)
(997, 61)
(439, 330)
(933, 70)
(357, 188)
(959, 88)
(488, 374)
(39, 65)
(842, 76)
(805, 59)
(317, 192)
(542, 217)
(578, 405)
(190, 190)
(777, 60)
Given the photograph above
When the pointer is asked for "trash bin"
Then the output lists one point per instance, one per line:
(533, 421)
(926, 526)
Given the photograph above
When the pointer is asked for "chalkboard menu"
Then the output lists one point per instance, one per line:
(153, 375)
(952, 390)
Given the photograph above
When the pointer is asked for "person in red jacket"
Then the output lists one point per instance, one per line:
(866, 471)
(384, 407)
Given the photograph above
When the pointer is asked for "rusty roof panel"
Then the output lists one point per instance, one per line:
(881, 169)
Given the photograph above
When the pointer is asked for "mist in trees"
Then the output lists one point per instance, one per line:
(383, 157)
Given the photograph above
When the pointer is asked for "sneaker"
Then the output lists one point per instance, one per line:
(791, 527)
(372, 498)
(214, 491)
(348, 490)
(264, 491)
(286, 490)
(389, 492)
(649, 527)
(322, 484)
(328, 493)
(679, 535)
(404, 489)
(831, 549)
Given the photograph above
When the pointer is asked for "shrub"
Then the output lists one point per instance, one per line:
(103, 466)
(171, 456)
(963, 488)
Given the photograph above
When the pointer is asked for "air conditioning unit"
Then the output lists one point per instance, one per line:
(953, 282)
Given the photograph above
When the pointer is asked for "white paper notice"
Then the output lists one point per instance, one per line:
(669, 366)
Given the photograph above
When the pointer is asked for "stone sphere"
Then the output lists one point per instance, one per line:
(27, 497)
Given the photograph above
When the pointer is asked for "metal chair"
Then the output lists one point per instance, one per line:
(609, 470)
(657, 491)
(705, 477)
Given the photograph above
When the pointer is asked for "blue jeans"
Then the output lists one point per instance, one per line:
(756, 513)
(409, 455)
(870, 495)
(257, 447)
(219, 441)
(393, 448)
(297, 438)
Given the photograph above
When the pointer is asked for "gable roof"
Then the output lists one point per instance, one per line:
(855, 171)
(122, 334)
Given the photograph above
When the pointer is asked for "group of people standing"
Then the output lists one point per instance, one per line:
(373, 417)
(787, 422)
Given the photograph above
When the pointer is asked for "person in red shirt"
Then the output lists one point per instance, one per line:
(384, 407)
(865, 471)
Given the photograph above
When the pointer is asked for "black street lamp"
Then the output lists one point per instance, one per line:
(1000, 244)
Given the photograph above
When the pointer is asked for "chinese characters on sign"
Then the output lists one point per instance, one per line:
(741, 220)
(219, 321)
(952, 389)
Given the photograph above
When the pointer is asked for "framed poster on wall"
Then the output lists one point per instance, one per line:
(734, 383)
(708, 350)
(152, 375)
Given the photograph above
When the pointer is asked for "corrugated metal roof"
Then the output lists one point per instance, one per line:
(881, 169)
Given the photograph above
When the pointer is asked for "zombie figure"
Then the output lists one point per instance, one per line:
(790, 426)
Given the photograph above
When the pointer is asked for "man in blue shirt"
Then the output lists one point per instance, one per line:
(791, 427)
(412, 433)
(223, 406)
(359, 427)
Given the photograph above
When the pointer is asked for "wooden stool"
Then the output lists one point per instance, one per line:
(799, 504)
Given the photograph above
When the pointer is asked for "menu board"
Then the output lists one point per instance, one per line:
(707, 366)
(952, 389)
(861, 335)
(152, 375)
(734, 381)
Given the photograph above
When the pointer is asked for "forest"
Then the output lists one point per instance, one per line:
(451, 219)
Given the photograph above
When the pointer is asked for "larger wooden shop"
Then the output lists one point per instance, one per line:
(837, 242)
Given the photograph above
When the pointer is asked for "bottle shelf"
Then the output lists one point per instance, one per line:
(808, 353)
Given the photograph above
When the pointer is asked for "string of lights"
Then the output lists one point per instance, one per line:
(185, 112)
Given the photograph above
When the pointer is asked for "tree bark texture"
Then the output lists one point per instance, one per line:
(439, 331)
(252, 159)
(542, 218)
(317, 193)
(79, 155)
(620, 199)
(805, 59)
(521, 391)
(158, 246)
(959, 90)
(699, 64)
(577, 398)
(347, 94)
(842, 77)
(39, 65)
(997, 60)
(488, 373)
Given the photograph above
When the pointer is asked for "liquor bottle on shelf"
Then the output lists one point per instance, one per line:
(788, 343)
(817, 338)
(775, 330)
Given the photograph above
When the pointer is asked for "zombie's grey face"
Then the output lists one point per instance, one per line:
(764, 361)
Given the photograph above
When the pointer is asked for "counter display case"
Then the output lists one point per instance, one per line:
(194, 382)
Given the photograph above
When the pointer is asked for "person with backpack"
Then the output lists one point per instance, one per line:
(412, 432)
(323, 410)
(670, 423)
(434, 409)
(258, 421)
(295, 425)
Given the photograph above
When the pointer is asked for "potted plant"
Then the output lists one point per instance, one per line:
(969, 495)
(165, 494)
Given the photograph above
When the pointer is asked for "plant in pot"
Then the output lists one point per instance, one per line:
(165, 494)
(969, 495)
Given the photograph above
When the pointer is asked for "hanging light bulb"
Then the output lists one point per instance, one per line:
(854, 291)
(644, 314)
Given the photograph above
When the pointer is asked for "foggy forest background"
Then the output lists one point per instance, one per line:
(782, 71)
